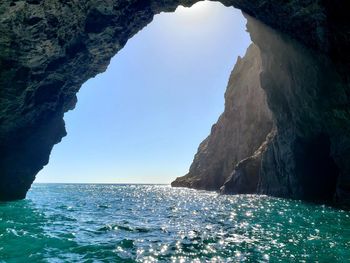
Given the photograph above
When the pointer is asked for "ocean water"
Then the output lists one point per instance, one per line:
(156, 223)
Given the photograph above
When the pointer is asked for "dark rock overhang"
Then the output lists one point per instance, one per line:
(48, 49)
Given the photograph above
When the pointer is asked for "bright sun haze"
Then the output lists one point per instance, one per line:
(142, 120)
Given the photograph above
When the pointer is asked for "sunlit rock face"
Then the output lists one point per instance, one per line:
(48, 49)
(306, 154)
(238, 133)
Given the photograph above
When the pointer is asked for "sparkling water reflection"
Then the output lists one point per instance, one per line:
(145, 223)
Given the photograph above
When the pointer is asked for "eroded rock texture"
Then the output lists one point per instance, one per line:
(48, 49)
(238, 133)
(245, 177)
(308, 158)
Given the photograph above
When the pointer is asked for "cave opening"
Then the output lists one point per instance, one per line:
(316, 169)
(50, 55)
(144, 117)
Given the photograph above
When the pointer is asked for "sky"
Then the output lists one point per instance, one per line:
(142, 120)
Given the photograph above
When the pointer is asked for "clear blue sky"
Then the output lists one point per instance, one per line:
(142, 120)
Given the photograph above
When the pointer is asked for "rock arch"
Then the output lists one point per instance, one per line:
(305, 62)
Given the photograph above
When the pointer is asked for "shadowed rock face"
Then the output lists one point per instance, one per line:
(48, 49)
(240, 130)
(245, 177)
(309, 97)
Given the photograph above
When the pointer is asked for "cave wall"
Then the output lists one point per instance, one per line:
(48, 49)
(308, 96)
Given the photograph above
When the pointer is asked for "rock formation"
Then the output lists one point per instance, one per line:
(48, 49)
(238, 133)
(309, 96)
(245, 177)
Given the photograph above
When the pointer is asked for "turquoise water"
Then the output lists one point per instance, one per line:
(145, 223)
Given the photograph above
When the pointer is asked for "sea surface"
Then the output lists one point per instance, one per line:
(156, 223)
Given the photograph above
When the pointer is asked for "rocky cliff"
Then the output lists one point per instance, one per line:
(48, 49)
(245, 177)
(308, 157)
(238, 133)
